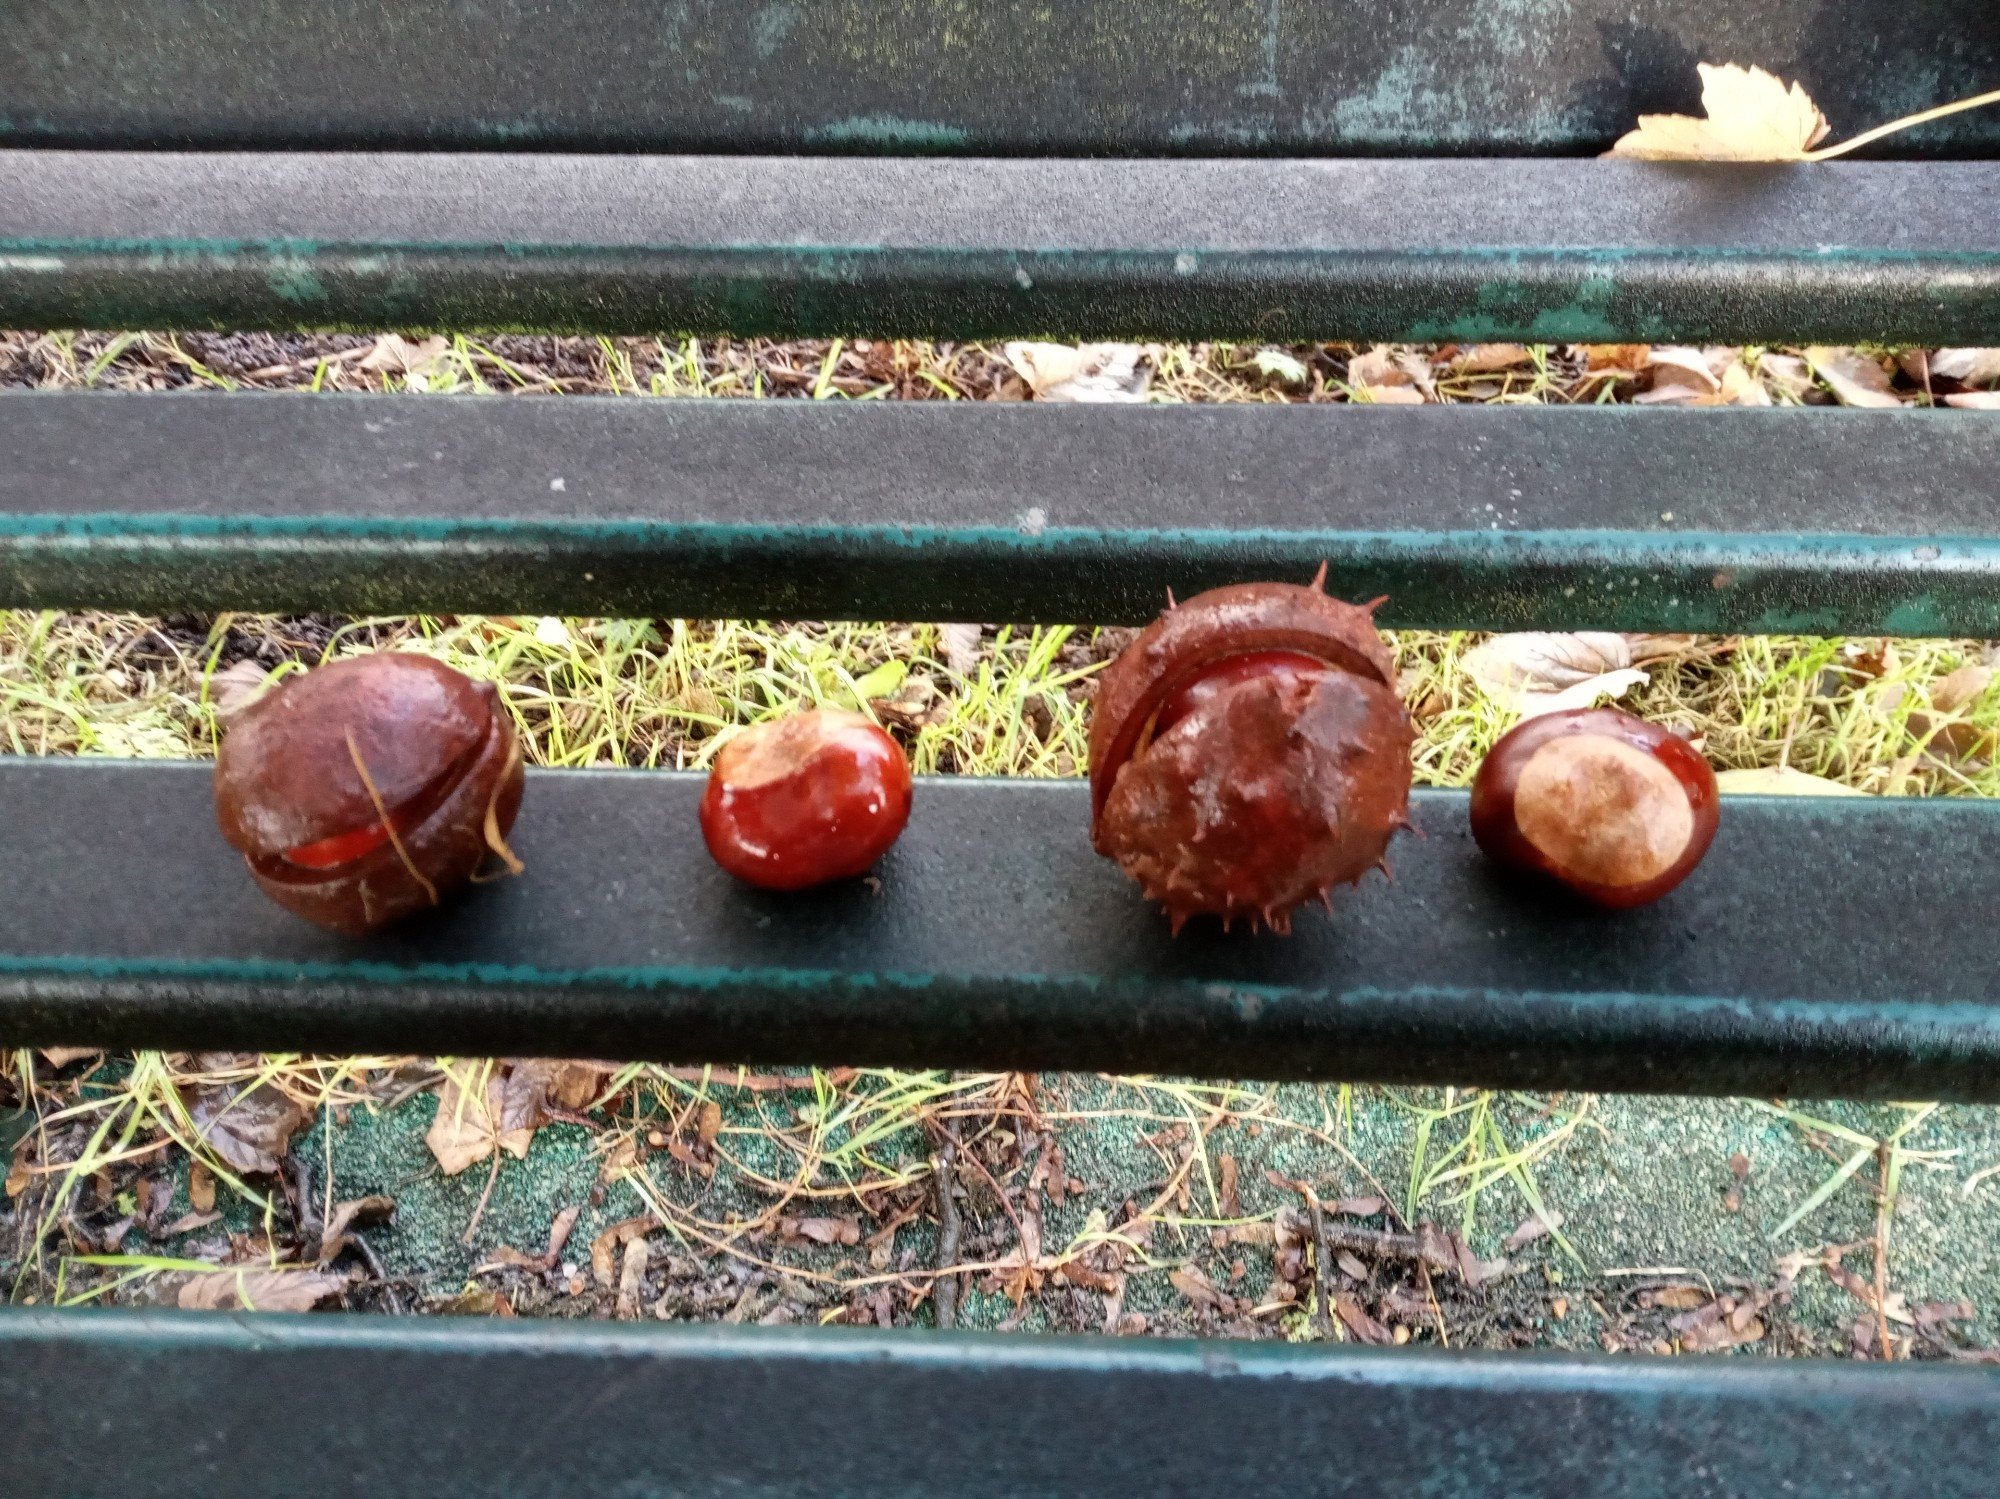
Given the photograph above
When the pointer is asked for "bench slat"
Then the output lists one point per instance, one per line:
(999, 940)
(1604, 518)
(1544, 251)
(1011, 76)
(461, 1407)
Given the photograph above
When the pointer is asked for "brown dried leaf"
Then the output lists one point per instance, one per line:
(1622, 359)
(463, 1132)
(631, 1280)
(252, 1132)
(1355, 1316)
(1750, 116)
(19, 1174)
(708, 1122)
(1856, 378)
(1490, 359)
(362, 1212)
(607, 1247)
(187, 1223)
(1387, 395)
(201, 1188)
(259, 1290)
(60, 1057)
(1192, 1283)
(842, 1230)
(1956, 689)
(1681, 1297)
(1931, 1314)
(1358, 1207)
(1226, 1172)
(1531, 1228)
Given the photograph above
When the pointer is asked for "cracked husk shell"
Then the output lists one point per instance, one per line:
(1273, 790)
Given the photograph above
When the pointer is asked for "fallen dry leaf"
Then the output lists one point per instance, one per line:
(607, 1249)
(1534, 672)
(534, 1085)
(1082, 372)
(1616, 359)
(1975, 400)
(1357, 1207)
(842, 1230)
(362, 1212)
(252, 1132)
(1967, 366)
(631, 1280)
(201, 1188)
(259, 1290)
(60, 1057)
(1355, 1316)
(961, 648)
(19, 1174)
(1531, 1228)
(236, 687)
(462, 1134)
(1679, 1298)
(1778, 780)
(1192, 1283)
(1751, 116)
(1855, 378)
(187, 1223)
(1955, 689)
(1226, 1172)
(1791, 374)
(394, 354)
(1489, 359)
(1387, 395)
(1376, 366)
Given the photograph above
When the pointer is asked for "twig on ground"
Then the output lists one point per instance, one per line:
(944, 1291)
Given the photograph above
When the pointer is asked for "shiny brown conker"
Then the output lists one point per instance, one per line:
(369, 788)
(1248, 752)
(804, 799)
(1618, 809)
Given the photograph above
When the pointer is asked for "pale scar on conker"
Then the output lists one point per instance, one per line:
(1618, 809)
(370, 788)
(1248, 752)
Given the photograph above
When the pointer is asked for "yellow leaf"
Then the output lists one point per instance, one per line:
(1752, 116)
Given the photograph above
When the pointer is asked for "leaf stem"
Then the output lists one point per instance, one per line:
(1827, 153)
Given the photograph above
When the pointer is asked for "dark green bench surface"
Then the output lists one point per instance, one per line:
(997, 939)
(1612, 518)
(1004, 77)
(167, 1405)
(1547, 251)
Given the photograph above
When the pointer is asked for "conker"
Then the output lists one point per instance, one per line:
(1248, 752)
(805, 799)
(1618, 809)
(369, 788)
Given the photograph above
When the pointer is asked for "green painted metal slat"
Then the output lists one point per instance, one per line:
(1006, 77)
(1602, 518)
(1544, 251)
(457, 1407)
(998, 939)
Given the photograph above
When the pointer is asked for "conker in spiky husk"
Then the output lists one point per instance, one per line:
(1248, 752)
(370, 788)
(1618, 809)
